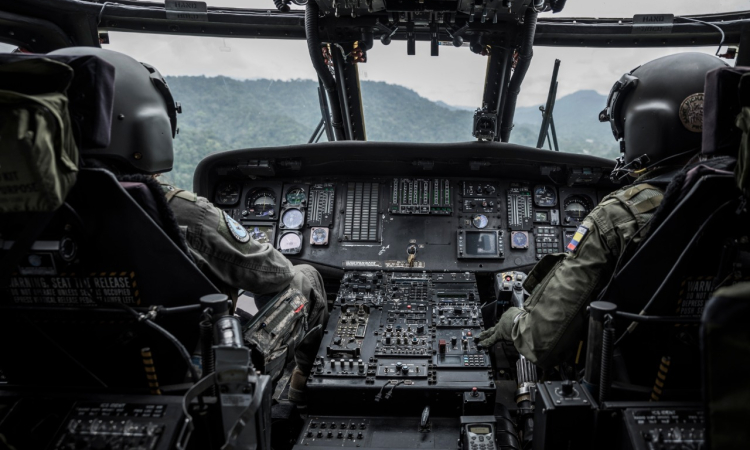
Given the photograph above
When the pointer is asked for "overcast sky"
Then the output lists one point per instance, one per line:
(455, 77)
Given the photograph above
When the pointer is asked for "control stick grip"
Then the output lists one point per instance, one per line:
(509, 288)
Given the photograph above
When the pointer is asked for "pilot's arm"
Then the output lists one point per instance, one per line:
(562, 285)
(224, 250)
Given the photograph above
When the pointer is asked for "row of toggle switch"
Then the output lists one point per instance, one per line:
(339, 435)
(389, 340)
(342, 364)
(419, 329)
(345, 431)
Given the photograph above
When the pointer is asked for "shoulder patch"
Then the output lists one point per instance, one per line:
(691, 112)
(239, 233)
(577, 238)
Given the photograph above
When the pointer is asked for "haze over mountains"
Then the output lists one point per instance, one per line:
(221, 113)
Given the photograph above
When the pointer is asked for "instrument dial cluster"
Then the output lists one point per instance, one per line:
(490, 222)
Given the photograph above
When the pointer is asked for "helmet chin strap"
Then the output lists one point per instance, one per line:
(638, 165)
(623, 169)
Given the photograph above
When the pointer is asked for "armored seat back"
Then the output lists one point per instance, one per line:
(70, 299)
(692, 247)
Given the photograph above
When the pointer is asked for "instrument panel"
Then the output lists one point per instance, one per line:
(424, 223)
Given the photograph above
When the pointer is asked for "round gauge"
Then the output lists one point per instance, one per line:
(295, 196)
(519, 239)
(577, 207)
(290, 241)
(292, 218)
(262, 202)
(227, 194)
(545, 196)
(319, 236)
(479, 220)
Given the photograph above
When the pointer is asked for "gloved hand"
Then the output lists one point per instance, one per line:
(304, 357)
(489, 337)
(501, 330)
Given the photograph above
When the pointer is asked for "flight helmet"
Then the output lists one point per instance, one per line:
(144, 116)
(656, 111)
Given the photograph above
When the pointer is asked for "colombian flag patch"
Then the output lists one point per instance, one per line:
(577, 238)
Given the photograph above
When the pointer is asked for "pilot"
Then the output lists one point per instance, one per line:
(144, 124)
(656, 113)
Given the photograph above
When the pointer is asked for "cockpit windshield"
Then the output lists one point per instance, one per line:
(243, 93)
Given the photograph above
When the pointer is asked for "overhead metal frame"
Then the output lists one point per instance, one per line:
(80, 21)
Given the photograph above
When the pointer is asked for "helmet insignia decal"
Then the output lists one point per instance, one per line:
(238, 231)
(691, 112)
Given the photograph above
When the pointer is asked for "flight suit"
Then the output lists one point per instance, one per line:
(562, 285)
(232, 260)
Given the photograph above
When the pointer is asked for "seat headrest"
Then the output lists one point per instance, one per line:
(90, 92)
(720, 108)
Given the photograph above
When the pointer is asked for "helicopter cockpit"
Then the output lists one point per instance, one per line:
(429, 208)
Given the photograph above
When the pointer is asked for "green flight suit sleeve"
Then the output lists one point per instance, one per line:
(255, 267)
(561, 285)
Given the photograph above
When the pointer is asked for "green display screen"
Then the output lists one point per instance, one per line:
(480, 430)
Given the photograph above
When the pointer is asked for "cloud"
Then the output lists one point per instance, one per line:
(456, 77)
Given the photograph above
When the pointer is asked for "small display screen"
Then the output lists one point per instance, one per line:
(541, 216)
(480, 430)
(481, 243)
(261, 233)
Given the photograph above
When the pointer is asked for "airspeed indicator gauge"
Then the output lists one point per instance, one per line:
(292, 219)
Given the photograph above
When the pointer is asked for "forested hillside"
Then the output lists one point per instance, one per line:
(223, 113)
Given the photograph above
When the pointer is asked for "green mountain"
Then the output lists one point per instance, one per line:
(576, 118)
(222, 113)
